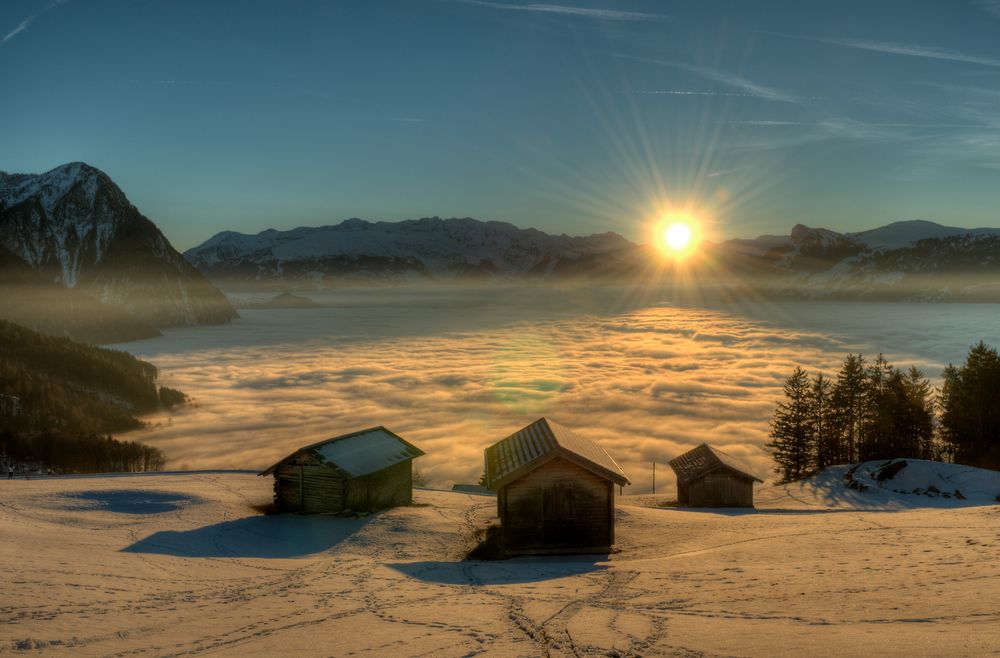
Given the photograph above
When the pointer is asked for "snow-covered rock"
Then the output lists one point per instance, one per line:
(918, 481)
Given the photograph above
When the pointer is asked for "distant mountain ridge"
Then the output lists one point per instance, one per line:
(420, 249)
(905, 233)
(915, 259)
(72, 226)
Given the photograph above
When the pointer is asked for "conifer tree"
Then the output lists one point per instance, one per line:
(878, 413)
(848, 400)
(918, 420)
(792, 429)
(970, 408)
(823, 423)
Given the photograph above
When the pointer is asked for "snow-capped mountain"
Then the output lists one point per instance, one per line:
(917, 260)
(904, 260)
(420, 249)
(75, 227)
(903, 234)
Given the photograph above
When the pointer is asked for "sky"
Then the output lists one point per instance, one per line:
(568, 116)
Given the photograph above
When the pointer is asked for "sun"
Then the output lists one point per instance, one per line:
(678, 234)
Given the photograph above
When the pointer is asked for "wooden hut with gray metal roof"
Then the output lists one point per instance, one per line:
(555, 491)
(361, 471)
(708, 477)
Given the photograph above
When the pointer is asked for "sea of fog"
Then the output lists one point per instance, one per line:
(455, 369)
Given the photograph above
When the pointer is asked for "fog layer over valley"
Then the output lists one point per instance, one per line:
(455, 369)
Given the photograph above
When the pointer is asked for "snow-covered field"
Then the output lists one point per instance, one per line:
(182, 564)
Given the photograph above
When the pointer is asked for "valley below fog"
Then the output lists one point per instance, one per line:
(455, 369)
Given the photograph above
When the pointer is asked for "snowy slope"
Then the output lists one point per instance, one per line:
(920, 482)
(182, 564)
(76, 228)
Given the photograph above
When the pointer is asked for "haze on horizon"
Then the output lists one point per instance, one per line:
(574, 117)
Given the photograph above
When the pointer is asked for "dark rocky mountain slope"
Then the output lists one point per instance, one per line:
(73, 227)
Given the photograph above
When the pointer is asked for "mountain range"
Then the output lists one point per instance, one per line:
(913, 260)
(917, 260)
(428, 249)
(78, 259)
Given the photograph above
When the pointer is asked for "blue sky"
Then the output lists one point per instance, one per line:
(568, 116)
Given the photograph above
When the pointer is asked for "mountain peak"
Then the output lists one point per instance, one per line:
(907, 232)
(75, 168)
(52, 186)
(74, 226)
(802, 234)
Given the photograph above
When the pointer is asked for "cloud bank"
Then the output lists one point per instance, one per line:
(646, 383)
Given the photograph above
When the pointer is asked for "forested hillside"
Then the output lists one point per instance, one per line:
(72, 386)
(58, 397)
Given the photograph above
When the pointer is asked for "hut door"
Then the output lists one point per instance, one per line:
(558, 506)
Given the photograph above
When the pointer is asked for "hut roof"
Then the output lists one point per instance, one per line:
(358, 453)
(541, 441)
(704, 459)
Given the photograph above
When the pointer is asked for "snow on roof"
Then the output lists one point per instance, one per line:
(704, 459)
(533, 445)
(359, 453)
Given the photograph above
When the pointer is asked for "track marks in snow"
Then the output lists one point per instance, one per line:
(684, 583)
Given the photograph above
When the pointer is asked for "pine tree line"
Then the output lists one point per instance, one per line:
(74, 453)
(871, 411)
(970, 408)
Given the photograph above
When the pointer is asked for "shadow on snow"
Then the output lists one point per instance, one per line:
(506, 572)
(272, 536)
(126, 501)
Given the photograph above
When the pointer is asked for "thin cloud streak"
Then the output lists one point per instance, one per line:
(586, 12)
(26, 23)
(20, 28)
(684, 92)
(912, 50)
(746, 86)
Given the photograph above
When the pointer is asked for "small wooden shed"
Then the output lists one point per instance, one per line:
(708, 477)
(555, 491)
(361, 471)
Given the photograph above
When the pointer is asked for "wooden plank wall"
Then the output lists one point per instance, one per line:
(386, 488)
(720, 489)
(558, 507)
(323, 489)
